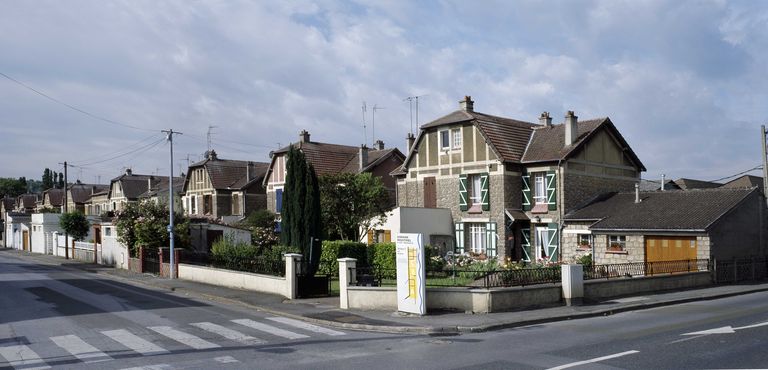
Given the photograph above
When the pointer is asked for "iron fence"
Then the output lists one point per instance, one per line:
(636, 269)
(257, 265)
(151, 263)
(375, 276)
(744, 269)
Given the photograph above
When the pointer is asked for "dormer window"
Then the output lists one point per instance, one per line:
(450, 139)
(445, 140)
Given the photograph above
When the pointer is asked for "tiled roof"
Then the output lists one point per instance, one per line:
(374, 158)
(9, 203)
(660, 210)
(548, 142)
(688, 184)
(55, 196)
(746, 181)
(82, 192)
(161, 186)
(325, 158)
(230, 173)
(28, 200)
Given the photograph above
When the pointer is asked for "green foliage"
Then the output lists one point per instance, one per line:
(276, 252)
(333, 250)
(585, 260)
(47, 182)
(75, 224)
(382, 256)
(350, 201)
(226, 250)
(264, 238)
(61, 181)
(47, 210)
(301, 223)
(12, 187)
(260, 218)
(145, 224)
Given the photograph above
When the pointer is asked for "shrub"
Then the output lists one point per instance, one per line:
(333, 250)
(229, 254)
(585, 260)
(75, 224)
(276, 252)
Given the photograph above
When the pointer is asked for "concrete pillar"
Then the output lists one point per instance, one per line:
(347, 276)
(573, 284)
(291, 280)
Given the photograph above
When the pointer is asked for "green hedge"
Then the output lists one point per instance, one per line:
(335, 249)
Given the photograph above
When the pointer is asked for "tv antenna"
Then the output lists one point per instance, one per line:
(411, 100)
(210, 132)
(373, 123)
(365, 133)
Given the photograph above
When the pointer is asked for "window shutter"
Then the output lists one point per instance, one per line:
(526, 193)
(463, 192)
(552, 190)
(387, 236)
(278, 200)
(554, 242)
(526, 244)
(484, 192)
(490, 234)
(459, 227)
(370, 236)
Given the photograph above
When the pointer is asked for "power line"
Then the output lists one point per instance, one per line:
(118, 151)
(107, 120)
(760, 167)
(141, 148)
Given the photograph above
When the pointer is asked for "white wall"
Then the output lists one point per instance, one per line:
(43, 225)
(426, 221)
(235, 279)
(113, 253)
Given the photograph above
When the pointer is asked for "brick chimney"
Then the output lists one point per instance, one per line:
(467, 104)
(409, 140)
(212, 155)
(363, 156)
(545, 120)
(304, 136)
(571, 128)
(128, 171)
(378, 145)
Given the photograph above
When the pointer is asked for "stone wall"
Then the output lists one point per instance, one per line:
(634, 250)
(569, 248)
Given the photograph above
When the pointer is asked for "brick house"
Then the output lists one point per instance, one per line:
(509, 182)
(332, 159)
(224, 189)
(719, 223)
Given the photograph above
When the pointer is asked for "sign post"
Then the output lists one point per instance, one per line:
(411, 274)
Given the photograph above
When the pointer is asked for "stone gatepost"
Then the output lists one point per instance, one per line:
(573, 284)
(291, 280)
(347, 276)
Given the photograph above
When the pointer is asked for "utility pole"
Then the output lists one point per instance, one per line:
(170, 200)
(66, 236)
(765, 162)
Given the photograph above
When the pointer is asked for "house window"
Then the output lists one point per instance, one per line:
(207, 204)
(456, 133)
(542, 243)
(477, 238)
(107, 231)
(278, 200)
(584, 241)
(445, 140)
(540, 189)
(193, 205)
(235, 204)
(617, 243)
(476, 187)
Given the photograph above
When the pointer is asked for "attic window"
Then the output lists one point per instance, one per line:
(445, 141)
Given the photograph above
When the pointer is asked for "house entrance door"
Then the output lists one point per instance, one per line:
(25, 239)
(542, 242)
(430, 192)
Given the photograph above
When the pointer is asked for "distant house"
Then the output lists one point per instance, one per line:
(98, 203)
(158, 192)
(53, 198)
(330, 159)
(224, 189)
(688, 184)
(128, 187)
(654, 226)
(746, 181)
(27, 203)
(79, 194)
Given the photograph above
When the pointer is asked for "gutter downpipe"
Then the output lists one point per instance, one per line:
(560, 222)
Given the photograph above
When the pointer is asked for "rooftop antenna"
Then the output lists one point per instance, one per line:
(210, 131)
(411, 100)
(373, 123)
(365, 133)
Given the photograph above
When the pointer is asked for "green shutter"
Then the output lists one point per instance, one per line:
(490, 234)
(526, 192)
(459, 227)
(484, 192)
(463, 192)
(554, 242)
(552, 190)
(526, 244)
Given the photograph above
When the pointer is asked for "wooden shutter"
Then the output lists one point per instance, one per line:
(430, 192)
(552, 190)
(526, 244)
(278, 200)
(526, 193)
(387, 236)
(370, 236)
(484, 191)
(553, 243)
(463, 196)
(490, 234)
(459, 227)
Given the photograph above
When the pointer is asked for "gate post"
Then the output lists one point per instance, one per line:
(141, 259)
(347, 276)
(291, 280)
(573, 284)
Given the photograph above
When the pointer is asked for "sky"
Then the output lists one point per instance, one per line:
(93, 83)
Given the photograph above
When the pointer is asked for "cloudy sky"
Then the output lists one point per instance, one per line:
(685, 82)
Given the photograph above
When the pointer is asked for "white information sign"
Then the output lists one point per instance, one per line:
(411, 286)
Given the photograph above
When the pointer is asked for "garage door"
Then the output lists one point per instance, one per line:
(670, 248)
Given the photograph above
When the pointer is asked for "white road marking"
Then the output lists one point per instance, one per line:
(80, 349)
(184, 338)
(228, 333)
(269, 329)
(726, 329)
(21, 356)
(226, 359)
(572, 364)
(150, 367)
(135, 343)
(305, 326)
(752, 326)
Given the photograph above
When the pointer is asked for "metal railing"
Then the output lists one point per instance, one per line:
(637, 269)
(743, 269)
(374, 276)
(257, 265)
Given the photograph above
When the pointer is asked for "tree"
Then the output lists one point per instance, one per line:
(61, 181)
(301, 223)
(351, 202)
(54, 179)
(146, 224)
(47, 179)
(12, 187)
(75, 224)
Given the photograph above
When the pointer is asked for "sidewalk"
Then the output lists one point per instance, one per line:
(325, 311)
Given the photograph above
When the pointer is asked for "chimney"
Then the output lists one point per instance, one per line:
(571, 128)
(212, 155)
(467, 104)
(304, 136)
(378, 145)
(150, 180)
(637, 193)
(248, 171)
(128, 171)
(545, 120)
(409, 140)
(663, 180)
(363, 156)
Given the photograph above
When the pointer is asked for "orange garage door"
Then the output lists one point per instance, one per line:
(670, 248)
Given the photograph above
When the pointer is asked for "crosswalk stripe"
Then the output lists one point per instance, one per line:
(21, 356)
(150, 367)
(184, 338)
(80, 349)
(306, 326)
(135, 343)
(227, 333)
(269, 329)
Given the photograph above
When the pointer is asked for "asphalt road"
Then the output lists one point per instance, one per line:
(52, 316)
